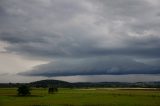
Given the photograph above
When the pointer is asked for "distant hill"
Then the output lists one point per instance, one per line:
(58, 83)
(46, 83)
(64, 84)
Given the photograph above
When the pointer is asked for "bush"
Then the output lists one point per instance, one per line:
(52, 90)
(24, 90)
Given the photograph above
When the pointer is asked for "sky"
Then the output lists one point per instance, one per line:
(79, 40)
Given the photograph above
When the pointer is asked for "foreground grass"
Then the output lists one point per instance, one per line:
(81, 97)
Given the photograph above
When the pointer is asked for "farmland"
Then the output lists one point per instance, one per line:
(82, 97)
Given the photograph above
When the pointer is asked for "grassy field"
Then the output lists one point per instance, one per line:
(82, 97)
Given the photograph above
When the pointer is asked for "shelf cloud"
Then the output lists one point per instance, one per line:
(96, 66)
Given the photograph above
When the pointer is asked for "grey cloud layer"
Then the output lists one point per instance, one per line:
(73, 30)
(94, 66)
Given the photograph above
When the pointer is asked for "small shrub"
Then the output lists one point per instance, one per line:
(24, 90)
(52, 90)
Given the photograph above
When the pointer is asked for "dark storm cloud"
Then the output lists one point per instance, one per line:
(13, 38)
(61, 47)
(73, 30)
(94, 66)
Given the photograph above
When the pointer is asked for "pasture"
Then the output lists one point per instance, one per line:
(82, 97)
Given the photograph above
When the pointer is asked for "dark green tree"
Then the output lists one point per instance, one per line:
(52, 90)
(24, 90)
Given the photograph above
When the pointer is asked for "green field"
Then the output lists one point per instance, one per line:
(81, 97)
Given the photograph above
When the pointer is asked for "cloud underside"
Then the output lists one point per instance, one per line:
(83, 37)
(96, 66)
